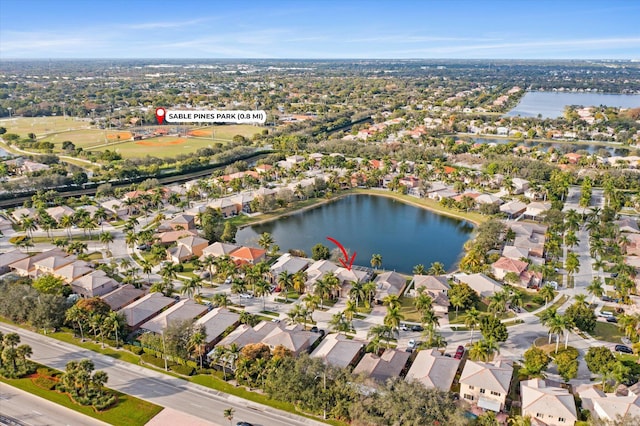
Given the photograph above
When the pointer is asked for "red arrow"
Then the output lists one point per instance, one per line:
(344, 253)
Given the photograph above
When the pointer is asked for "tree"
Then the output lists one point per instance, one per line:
(265, 241)
(581, 316)
(393, 317)
(376, 260)
(464, 294)
(572, 263)
(419, 269)
(436, 268)
(262, 289)
(228, 414)
(198, 340)
(536, 361)
(191, 287)
(114, 322)
(492, 327)
(472, 320)
(599, 359)
(285, 282)
(320, 252)
(595, 288)
(50, 284)
(229, 232)
(484, 350)
(106, 238)
(567, 365)
(547, 293)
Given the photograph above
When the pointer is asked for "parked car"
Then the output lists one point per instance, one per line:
(228, 280)
(246, 296)
(404, 327)
(606, 299)
(413, 343)
(144, 247)
(605, 314)
(417, 328)
(459, 352)
(623, 349)
(243, 424)
(612, 319)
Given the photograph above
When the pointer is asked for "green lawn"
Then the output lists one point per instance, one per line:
(527, 301)
(408, 310)
(130, 411)
(607, 332)
(42, 125)
(122, 354)
(556, 304)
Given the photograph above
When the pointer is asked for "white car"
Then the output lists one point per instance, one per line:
(412, 344)
(605, 314)
(403, 327)
(246, 296)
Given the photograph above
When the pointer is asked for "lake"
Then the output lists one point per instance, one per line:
(403, 234)
(552, 104)
(591, 148)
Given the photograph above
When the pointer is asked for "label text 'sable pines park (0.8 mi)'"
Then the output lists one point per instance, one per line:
(214, 116)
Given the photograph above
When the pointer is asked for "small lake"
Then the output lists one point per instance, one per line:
(552, 104)
(403, 234)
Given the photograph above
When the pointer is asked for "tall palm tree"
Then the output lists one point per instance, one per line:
(262, 290)
(300, 281)
(378, 333)
(423, 302)
(106, 238)
(147, 267)
(547, 292)
(393, 318)
(228, 414)
(350, 311)
(333, 282)
(392, 301)
(285, 282)
(436, 268)
(595, 289)
(357, 291)
(472, 320)
(483, 350)
(556, 325)
(191, 287)
(311, 302)
(67, 222)
(376, 260)
(430, 321)
(265, 241)
(114, 322)
(547, 317)
(197, 342)
(100, 216)
(419, 269)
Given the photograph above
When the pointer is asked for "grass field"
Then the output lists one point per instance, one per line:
(42, 125)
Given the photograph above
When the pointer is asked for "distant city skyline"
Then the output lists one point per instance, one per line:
(328, 29)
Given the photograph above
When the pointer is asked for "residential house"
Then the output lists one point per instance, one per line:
(319, 269)
(170, 237)
(226, 206)
(58, 211)
(536, 210)
(184, 310)
(145, 308)
(389, 283)
(216, 323)
(94, 284)
(437, 287)
(50, 264)
(242, 203)
(380, 368)
(609, 406)
(187, 248)
(115, 208)
(550, 405)
(488, 199)
(293, 337)
(250, 255)
(20, 213)
(26, 266)
(530, 236)
(245, 334)
(513, 209)
(433, 370)
(182, 222)
(337, 350)
(10, 257)
(73, 271)
(519, 185)
(218, 249)
(486, 384)
(628, 224)
(480, 283)
(513, 252)
(289, 264)
(633, 247)
(504, 265)
(122, 296)
(264, 168)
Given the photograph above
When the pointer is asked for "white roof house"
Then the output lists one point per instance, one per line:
(217, 322)
(288, 263)
(94, 284)
(433, 369)
(338, 351)
(185, 309)
(389, 283)
(608, 406)
(486, 384)
(480, 283)
(552, 405)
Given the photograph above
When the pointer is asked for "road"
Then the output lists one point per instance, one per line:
(156, 387)
(32, 410)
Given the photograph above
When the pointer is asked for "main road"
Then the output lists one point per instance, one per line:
(157, 387)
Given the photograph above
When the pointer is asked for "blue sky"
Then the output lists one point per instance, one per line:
(526, 29)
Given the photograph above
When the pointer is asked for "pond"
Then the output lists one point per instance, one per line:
(552, 104)
(366, 224)
(591, 148)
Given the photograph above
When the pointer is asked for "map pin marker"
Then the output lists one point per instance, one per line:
(160, 113)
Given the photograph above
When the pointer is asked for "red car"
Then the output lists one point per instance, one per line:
(459, 352)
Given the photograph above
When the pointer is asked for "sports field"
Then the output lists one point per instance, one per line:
(60, 129)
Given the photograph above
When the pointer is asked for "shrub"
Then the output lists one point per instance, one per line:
(150, 359)
(45, 382)
(185, 370)
(137, 350)
(192, 364)
(44, 371)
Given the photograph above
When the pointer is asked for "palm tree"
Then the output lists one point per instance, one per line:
(356, 292)
(483, 350)
(197, 342)
(436, 268)
(100, 215)
(67, 222)
(338, 323)
(393, 318)
(423, 302)
(595, 289)
(265, 240)
(472, 320)
(221, 299)
(29, 225)
(556, 325)
(350, 311)
(300, 281)
(581, 298)
(114, 322)
(333, 284)
(147, 267)
(392, 301)
(418, 269)
(131, 238)
(311, 302)
(106, 238)
(377, 333)
(285, 282)
(520, 421)
(548, 293)
(262, 290)
(547, 317)
(191, 287)
(430, 321)
(376, 260)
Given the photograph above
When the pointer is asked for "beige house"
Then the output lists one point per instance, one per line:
(145, 308)
(480, 283)
(94, 284)
(27, 266)
(245, 334)
(218, 249)
(486, 384)
(122, 296)
(551, 405)
(337, 350)
(10, 257)
(608, 406)
(294, 338)
(185, 309)
(187, 248)
(389, 283)
(51, 264)
(216, 322)
(74, 270)
(226, 206)
(380, 368)
(433, 370)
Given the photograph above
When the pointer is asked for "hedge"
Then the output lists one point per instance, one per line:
(185, 370)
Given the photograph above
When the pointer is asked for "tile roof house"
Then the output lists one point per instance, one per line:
(628, 224)
(250, 255)
(18, 214)
(145, 308)
(437, 287)
(171, 237)
(504, 265)
(218, 249)
(513, 209)
(486, 384)
(535, 210)
(380, 368)
(10, 257)
(480, 283)
(122, 296)
(433, 369)
(389, 283)
(6, 226)
(226, 206)
(50, 264)
(294, 338)
(115, 207)
(187, 248)
(245, 334)
(242, 202)
(337, 350)
(27, 266)
(551, 405)
(58, 211)
(289, 264)
(182, 222)
(216, 322)
(488, 199)
(185, 309)
(96, 283)
(513, 252)
(73, 271)
(633, 247)
(609, 406)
